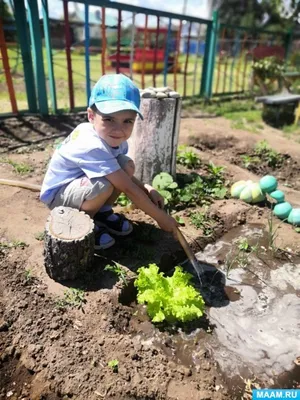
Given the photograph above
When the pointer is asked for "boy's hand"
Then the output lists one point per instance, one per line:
(155, 197)
(169, 224)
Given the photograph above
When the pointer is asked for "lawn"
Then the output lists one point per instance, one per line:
(228, 77)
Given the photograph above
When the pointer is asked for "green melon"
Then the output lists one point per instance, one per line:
(277, 195)
(282, 210)
(257, 194)
(246, 194)
(294, 217)
(237, 188)
(268, 183)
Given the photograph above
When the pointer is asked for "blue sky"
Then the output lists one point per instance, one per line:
(196, 8)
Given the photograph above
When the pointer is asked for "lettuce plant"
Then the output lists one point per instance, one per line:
(168, 299)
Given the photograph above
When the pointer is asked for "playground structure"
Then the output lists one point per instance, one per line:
(149, 51)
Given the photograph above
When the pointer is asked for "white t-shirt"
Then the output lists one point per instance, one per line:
(83, 152)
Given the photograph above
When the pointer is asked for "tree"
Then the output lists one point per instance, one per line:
(266, 14)
(5, 11)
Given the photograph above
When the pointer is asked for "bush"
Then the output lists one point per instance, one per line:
(268, 68)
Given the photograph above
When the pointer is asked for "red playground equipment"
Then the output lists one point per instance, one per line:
(149, 52)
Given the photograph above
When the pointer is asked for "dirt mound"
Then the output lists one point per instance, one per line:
(209, 142)
(286, 170)
(24, 131)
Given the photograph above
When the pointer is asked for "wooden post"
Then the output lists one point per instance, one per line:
(69, 243)
(153, 143)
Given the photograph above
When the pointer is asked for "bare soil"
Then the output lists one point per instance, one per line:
(49, 352)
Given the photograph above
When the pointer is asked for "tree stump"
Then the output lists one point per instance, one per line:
(153, 143)
(69, 243)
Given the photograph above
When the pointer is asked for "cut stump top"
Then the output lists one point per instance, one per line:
(68, 223)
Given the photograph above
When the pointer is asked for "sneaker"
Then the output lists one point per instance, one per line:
(115, 223)
(103, 240)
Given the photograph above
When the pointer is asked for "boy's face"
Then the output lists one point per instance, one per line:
(113, 128)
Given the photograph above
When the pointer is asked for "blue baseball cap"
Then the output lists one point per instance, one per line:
(113, 93)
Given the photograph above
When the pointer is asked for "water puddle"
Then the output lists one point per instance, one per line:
(253, 314)
(257, 331)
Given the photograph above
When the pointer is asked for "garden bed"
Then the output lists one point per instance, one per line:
(95, 341)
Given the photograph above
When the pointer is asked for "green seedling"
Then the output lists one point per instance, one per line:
(194, 190)
(266, 153)
(243, 245)
(239, 260)
(215, 170)
(201, 220)
(123, 200)
(72, 298)
(188, 158)
(28, 275)
(13, 245)
(114, 365)
(19, 168)
(165, 185)
(297, 230)
(249, 160)
(40, 236)
(180, 220)
(119, 271)
(272, 233)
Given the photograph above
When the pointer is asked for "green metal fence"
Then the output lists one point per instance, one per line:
(62, 59)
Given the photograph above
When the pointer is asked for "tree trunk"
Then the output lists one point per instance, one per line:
(153, 143)
(69, 243)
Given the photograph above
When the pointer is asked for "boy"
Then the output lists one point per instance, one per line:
(90, 168)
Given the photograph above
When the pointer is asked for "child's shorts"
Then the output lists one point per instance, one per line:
(75, 193)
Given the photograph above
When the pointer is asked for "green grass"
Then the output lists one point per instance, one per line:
(19, 168)
(72, 298)
(243, 114)
(14, 244)
(193, 77)
(292, 132)
(40, 236)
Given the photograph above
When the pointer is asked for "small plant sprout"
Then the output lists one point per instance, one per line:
(180, 220)
(13, 245)
(40, 236)
(19, 168)
(28, 275)
(188, 158)
(235, 259)
(215, 170)
(114, 365)
(266, 153)
(249, 160)
(201, 220)
(72, 298)
(272, 233)
(123, 200)
(119, 271)
(244, 245)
